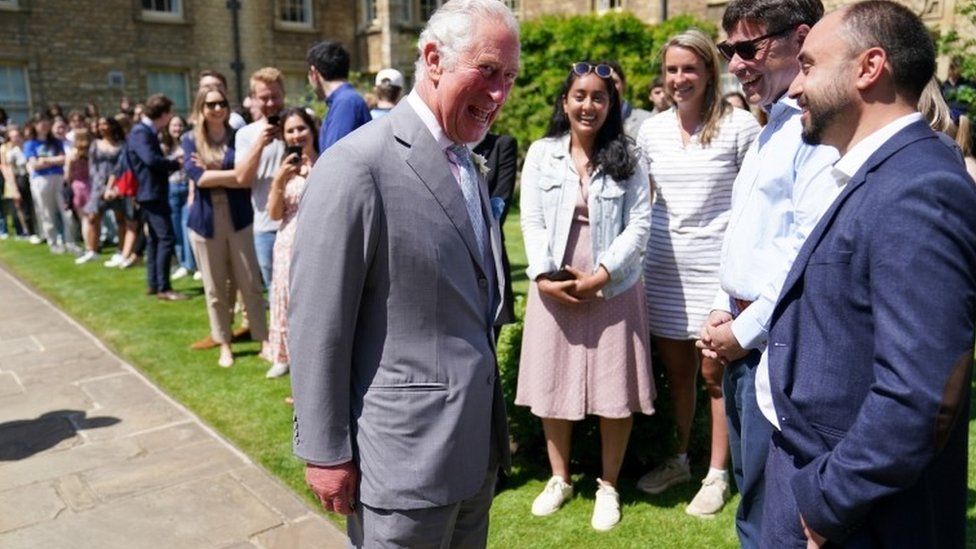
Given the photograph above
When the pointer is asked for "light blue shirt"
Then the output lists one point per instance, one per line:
(619, 213)
(779, 195)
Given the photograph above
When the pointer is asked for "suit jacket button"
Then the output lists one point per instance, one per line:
(483, 282)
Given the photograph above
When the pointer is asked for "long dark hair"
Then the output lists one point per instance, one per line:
(116, 133)
(612, 150)
(307, 118)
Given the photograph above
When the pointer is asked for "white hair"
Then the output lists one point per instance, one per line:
(453, 26)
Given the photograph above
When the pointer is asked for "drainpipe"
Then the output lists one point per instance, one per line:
(664, 10)
(237, 65)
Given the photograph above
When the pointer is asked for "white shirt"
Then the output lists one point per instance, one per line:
(840, 173)
(271, 157)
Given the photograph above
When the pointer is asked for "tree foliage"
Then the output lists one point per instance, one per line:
(550, 44)
(963, 46)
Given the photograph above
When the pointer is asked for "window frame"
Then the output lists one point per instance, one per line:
(26, 105)
(173, 14)
(185, 74)
(307, 9)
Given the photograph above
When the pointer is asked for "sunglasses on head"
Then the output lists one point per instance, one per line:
(746, 49)
(583, 68)
(214, 104)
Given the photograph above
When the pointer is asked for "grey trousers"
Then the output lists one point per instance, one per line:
(462, 524)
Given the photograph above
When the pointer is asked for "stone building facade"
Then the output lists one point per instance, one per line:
(75, 51)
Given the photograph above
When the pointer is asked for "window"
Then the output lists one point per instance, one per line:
(167, 8)
(608, 5)
(369, 11)
(514, 5)
(10, 4)
(172, 84)
(295, 12)
(13, 92)
(428, 7)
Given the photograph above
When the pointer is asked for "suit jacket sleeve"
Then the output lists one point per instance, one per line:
(146, 147)
(335, 240)
(922, 253)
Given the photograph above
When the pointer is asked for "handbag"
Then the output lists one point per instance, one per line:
(126, 183)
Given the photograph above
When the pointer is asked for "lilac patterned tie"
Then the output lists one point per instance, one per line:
(460, 155)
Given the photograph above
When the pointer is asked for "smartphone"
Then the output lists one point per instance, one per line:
(560, 276)
(297, 151)
(274, 119)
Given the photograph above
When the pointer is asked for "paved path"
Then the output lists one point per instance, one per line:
(92, 455)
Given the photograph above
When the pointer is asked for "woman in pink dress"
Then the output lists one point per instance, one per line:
(286, 190)
(585, 219)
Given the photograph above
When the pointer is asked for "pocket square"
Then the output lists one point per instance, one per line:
(497, 208)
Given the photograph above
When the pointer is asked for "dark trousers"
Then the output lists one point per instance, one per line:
(749, 433)
(159, 244)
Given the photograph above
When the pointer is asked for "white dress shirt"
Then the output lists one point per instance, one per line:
(840, 173)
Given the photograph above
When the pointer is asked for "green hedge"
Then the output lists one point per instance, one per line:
(550, 44)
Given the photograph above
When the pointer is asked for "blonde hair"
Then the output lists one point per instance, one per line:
(714, 106)
(964, 135)
(268, 76)
(210, 151)
(82, 142)
(935, 109)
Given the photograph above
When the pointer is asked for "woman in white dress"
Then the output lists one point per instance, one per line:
(692, 153)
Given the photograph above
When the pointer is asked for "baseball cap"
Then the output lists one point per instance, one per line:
(394, 76)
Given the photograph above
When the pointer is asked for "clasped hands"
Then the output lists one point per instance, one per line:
(716, 340)
(582, 287)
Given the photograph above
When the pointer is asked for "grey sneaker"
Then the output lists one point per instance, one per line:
(664, 476)
(710, 498)
(552, 497)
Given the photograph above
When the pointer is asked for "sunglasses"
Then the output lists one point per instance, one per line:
(746, 49)
(215, 104)
(583, 68)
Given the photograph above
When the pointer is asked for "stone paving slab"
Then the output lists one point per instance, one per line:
(92, 455)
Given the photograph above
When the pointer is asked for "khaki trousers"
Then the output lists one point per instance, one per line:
(227, 261)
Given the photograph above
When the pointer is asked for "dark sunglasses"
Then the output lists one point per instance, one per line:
(583, 68)
(215, 104)
(746, 49)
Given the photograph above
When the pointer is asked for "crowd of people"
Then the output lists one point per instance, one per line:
(774, 251)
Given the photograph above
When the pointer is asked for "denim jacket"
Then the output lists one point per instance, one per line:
(619, 211)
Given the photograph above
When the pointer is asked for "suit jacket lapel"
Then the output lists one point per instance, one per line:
(910, 134)
(429, 162)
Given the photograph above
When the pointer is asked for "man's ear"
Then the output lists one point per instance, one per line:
(870, 67)
(433, 62)
(801, 35)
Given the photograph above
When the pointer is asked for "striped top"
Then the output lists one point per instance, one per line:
(692, 200)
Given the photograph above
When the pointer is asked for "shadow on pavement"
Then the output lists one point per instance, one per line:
(23, 438)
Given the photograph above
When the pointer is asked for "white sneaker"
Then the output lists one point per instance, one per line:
(34, 239)
(4, 236)
(86, 257)
(114, 261)
(179, 273)
(197, 275)
(126, 263)
(552, 497)
(664, 476)
(606, 509)
(57, 249)
(710, 498)
(277, 369)
(73, 248)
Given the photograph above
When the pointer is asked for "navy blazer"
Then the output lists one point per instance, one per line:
(871, 350)
(149, 164)
(501, 153)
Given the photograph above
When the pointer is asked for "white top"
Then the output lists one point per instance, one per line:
(690, 212)
(271, 156)
(841, 173)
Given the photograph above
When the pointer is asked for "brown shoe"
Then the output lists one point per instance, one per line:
(241, 334)
(170, 295)
(204, 344)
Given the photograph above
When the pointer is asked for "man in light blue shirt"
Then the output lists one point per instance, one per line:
(779, 193)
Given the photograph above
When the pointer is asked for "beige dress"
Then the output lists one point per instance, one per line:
(585, 359)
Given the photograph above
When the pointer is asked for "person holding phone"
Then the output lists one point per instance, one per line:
(585, 220)
(221, 222)
(301, 152)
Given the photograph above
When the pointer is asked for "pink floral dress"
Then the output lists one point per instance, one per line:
(281, 263)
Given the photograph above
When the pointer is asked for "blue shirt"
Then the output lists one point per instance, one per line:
(347, 111)
(44, 149)
(201, 215)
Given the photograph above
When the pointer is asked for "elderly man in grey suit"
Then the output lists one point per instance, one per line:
(396, 282)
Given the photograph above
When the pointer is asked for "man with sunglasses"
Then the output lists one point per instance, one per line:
(782, 188)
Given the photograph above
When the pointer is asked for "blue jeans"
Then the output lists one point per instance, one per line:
(178, 194)
(264, 246)
(749, 433)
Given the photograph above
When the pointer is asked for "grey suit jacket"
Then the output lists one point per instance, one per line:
(390, 336)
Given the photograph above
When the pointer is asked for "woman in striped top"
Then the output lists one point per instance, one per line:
(692, 153)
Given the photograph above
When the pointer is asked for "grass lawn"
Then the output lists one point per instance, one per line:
(248, 409)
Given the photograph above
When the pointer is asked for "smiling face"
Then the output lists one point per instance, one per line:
(824, 88)
(467, 97)
(297, 132)
(586, 104)
(268, 98)
(59, 129)
(767, 76)
(175, 127)
(685, 78)
(215, 108)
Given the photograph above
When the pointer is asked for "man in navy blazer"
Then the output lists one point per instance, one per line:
(871, 344)
(152, 170)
